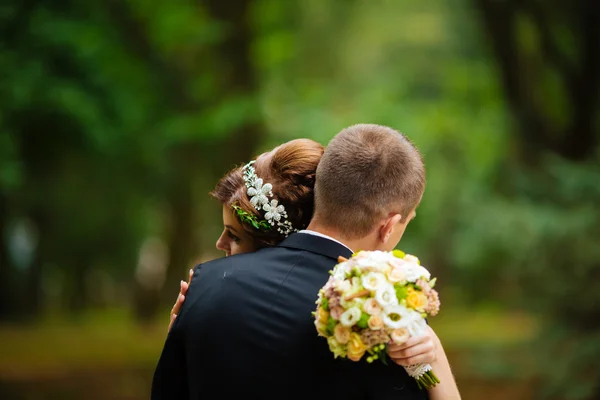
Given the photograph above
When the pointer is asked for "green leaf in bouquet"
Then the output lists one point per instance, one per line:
(432, 282)
(325, 304)
(401, 292)
(398, 253)
(383, 356)
(363, 322)
(330, 325)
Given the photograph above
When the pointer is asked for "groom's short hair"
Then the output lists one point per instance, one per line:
(366, 172)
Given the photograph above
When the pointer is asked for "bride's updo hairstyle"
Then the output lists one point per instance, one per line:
(290, 169)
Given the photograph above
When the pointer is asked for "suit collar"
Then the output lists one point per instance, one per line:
(316, 244)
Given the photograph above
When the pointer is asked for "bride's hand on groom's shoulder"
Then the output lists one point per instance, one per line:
(180, 299)
(416, 350)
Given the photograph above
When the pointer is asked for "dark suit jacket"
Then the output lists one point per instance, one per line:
(246, 329)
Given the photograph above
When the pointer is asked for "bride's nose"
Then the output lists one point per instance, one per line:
(223, 243)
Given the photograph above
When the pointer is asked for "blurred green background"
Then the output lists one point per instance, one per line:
(118, 116)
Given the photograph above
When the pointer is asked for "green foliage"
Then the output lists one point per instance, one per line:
(117, 116)
(325, 303)
(363, 322)
(401, 292)
(251, 219)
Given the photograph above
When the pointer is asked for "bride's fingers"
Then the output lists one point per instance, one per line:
(191, 274)
(412, 341)
(184, 287)
(419, 359)
(178, 303)
(419, 349)
(173, 316)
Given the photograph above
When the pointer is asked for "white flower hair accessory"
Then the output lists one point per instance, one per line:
(259, 193)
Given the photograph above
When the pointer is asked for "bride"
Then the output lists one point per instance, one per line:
(290, 172)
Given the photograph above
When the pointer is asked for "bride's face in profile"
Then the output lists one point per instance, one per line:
(234, 239)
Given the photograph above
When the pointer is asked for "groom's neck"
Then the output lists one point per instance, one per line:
(353, 244)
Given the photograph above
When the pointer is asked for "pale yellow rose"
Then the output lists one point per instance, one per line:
(322, 315)
(399, 336)
(321, 329)
(356, 347)
(341, 333)
(375, 322)
(416, 299)
(337, 349)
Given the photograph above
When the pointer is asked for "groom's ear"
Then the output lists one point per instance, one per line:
(387, 229)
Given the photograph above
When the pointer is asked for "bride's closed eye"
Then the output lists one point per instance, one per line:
(232, 236)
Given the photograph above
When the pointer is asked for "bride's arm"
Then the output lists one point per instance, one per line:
(180, 299)
(447, 388)
(427, 349)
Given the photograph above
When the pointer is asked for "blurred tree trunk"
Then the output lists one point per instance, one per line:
(32, 295)
(183, 235)
(5, 267)
(237, 74)
(548, 57)
(236, 78)
(525, 70)
(193, 163)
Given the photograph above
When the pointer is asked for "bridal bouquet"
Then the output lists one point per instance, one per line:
(373, 299)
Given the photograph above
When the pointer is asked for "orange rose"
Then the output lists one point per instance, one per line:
(322, 315)
(356, 347)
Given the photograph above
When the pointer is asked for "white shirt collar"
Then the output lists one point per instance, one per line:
(309, 232)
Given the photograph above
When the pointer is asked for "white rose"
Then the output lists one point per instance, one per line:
(350, 317)
(416, 325)
(372, 281)
(414, 272)
(343, 287)
(386, 295)
(411, 259)
(396, 316)
(339, 273)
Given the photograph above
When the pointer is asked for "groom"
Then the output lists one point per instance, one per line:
(246, 330)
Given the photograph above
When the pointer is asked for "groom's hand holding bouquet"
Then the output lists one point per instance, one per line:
(374, 307)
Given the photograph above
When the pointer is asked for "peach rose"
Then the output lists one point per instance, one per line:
(375, 322)
(371, 307)
(396, 275)
(399, 336)
(336, 313)
(341, 333)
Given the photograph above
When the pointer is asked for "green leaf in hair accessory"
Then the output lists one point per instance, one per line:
(251, 219)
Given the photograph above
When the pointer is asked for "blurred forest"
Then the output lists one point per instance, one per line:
(118, 117)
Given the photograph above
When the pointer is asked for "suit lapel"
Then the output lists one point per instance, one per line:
(316, 244)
